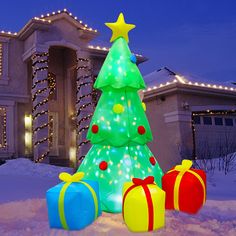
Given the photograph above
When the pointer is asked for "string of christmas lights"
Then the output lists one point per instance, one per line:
(40, 61)
(82, 107)
(51, 83)
(39, 64)
(84, 26)
(39, 69)
(182, 80)
(1, 55)
(83, 96)
(38, 55)
(85, 118)
(39, 114)
(82, 129)
(45, 101)
(40, 127)
(84, 79)
(4, 125)
(38, 92)
(194, 157)
(39, 82)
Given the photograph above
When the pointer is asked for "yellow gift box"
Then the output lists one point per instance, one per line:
(143, 206)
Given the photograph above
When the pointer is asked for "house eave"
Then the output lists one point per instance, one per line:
(188, 89)
(102, 53)
(31, 26)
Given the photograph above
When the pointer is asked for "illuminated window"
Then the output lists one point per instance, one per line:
(3, 121)
(1, 55)
(28, 134)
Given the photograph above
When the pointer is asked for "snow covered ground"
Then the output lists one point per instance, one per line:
(23, 209)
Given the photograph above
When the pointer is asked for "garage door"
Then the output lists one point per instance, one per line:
(214, 133)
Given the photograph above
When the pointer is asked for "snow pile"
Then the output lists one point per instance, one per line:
(23, 166)
(23, 179)
(221, 186)
(216, 218)
(24, 184)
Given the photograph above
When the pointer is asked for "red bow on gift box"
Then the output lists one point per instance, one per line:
(143, 183)
(147, 180)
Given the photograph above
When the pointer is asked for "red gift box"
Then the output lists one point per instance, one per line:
(185, 188)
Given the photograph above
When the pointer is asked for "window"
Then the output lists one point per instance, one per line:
(207, 120)
(228, 122)
(1, 55)
(196, 120)
(218, 121)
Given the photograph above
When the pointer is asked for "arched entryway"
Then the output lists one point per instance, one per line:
(62, 62)
(61, 82)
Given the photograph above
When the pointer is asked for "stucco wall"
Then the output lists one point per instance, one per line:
(166, 136)
(16, 70)
(16, 93)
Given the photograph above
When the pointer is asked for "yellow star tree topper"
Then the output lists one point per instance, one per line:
(120, 28)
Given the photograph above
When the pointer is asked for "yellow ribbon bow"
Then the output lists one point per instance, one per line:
(68, 179)
(71, 178)
(185, 167)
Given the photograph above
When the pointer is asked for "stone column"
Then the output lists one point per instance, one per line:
(84, 103)
(40, 92)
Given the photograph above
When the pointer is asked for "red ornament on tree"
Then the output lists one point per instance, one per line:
(103, 165)
(95, 129)
(152, 160)
(141, 129)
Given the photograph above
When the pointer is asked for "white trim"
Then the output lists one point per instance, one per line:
(213, 107)
(175, 116)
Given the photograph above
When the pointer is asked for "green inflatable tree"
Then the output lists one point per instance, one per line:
(119, 129)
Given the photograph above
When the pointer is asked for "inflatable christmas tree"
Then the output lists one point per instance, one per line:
(119, 129)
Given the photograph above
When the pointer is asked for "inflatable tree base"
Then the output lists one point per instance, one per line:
(112, 166)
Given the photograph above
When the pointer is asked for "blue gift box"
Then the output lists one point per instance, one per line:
(74, 203)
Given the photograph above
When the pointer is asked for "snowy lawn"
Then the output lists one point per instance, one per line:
(23, 209)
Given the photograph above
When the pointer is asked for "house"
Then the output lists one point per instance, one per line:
(189, 119)
(47, 71)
